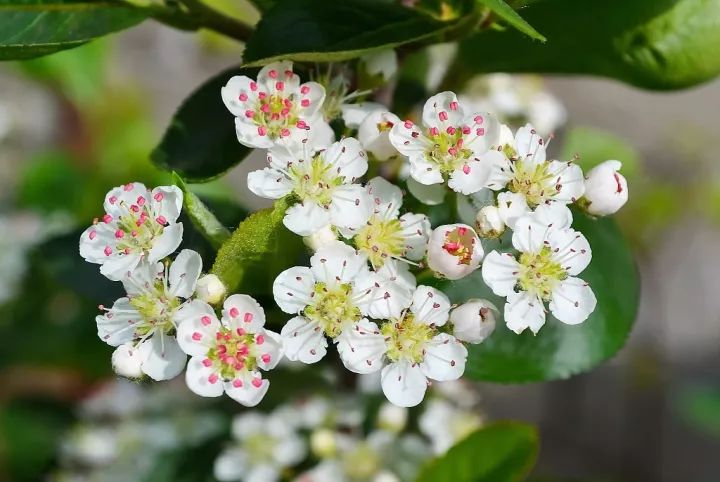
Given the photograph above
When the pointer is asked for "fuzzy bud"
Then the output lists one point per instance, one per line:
(126, 361)
(210, 289)
(320, 238)
(473, 321)
(606, 189)
(454, 251)
(489, 223)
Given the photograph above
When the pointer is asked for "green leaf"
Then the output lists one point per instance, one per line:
(654, 44)
(699, 407)
(204, 220)
(561, 350)
(257, 251)
(500, 452)
(200, 144)
(32, 28)
(505, 11)
(321, 31)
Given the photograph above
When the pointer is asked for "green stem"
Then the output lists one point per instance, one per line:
(196, 15)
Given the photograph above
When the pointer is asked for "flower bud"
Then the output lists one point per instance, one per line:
(322, 237)
(454, 251)
(126, 361)
(374, 134)
(323, 443)
(383, 63)
(210, 289)
(392, 418)
(605, 189)
(473, 321)
(489, 223)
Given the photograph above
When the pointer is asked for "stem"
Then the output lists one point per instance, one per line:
(197, 15)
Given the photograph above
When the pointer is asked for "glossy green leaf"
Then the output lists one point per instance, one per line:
(655, 44)
(505, 12)
(200, 144)
(500, 452)
(32, 28)
(321, 31)
(202, 218)
(559, 350)
(257, 251)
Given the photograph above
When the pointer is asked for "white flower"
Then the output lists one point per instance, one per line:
(227, 355)
(138, 225)
(454, 251)
(473, 321)
(322, 237)
(606, 189)
(374, 134)
(388, 238)
(489, 222)
(277, 108)
(383, 63)
(412, 345)
(445, 424)
(323, 183)
(265, 446)
(354, 114)
(551, 255)
(331, 298)
(511, 207)
(210, 289)
(449, 144)
(525, 169)
(150, 315)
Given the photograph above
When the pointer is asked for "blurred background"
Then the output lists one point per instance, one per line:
(77, 123)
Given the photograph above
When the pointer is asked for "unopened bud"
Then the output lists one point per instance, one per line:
(489, 223)
(126, 361)
(473, 321)
(322, 237)
(210, 289)
(606, 189)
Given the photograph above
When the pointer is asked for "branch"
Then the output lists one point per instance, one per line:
(197, 15)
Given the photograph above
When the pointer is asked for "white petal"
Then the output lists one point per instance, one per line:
(118, 266)
(274, 71)
(262, 473)
(416, 232)
(184, 273)
(529, 234)
(319, 134)
(231, 92)
(162, 357)
(351, 206)
(524, 310)
(377, 141)
(484, 132)
(305, 218)
(387, 198)
(473, 321)
(303, 340)
(117, 326)
(243, 311)
(442, 110)
(119, 198)
(126, 361)
(167, 201)
(316, 95)
(570, 249)
(269, 183)
(512, 206)
(230, 465)
(336, 263)
(248, 135)
(501, 170)
(569, 177)
(404, 384)
(445, 358)
(387, 296)
(354, 114)
(198, 376)
(362, 347)
(572, 301)
(471, 176)
(293, 288)
(197, 327)
(94, 240)
(430, 306)
(529, 145)
(270, 349)
(554, 215)
(248, 390)
(166, 243)
(432, 194)
(423, 171)
(408, 139)
(347, 158)
(500, 272)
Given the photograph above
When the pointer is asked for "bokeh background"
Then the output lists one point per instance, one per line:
(79, 122)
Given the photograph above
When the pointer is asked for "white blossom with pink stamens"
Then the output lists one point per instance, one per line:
(454, 251)
(139, 225)
(228, 354)
(449, 144)
(277, 109)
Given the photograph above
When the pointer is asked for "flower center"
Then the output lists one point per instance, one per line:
(315, 181)
(156, 308)
(260, 447)
(135, 230)
(539, 273)
(533, 181)
(333, 308)
(447, 151)
(275, 114)
(460, 243)
(232, 352)
(381, 239)
(405, 339)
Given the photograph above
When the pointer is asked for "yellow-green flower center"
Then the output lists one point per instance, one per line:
(447, 151)
(333, 308)
(539, 273)
(156, 308)
(260, 447)
(381, 239)
(315, 181)
(406, 339)
(460, 242)
(275, 115)
(233, 351)
(533, 181)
